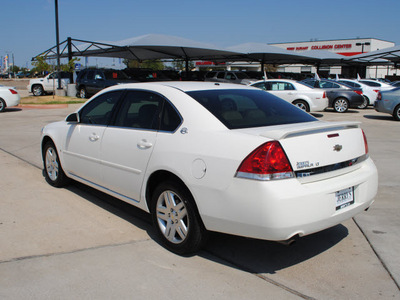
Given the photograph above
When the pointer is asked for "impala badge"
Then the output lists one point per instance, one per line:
(337, 147)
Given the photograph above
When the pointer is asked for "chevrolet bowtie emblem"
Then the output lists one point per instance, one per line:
(337, 147)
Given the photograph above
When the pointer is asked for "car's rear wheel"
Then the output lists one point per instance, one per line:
(37, 90)
(340, 105)
(54, 173)
(396, 113)
(302, 104)
(365, 103)
(82, 93)
(2, 105)
(176, 218)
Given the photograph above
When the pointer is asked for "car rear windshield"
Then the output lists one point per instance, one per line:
(249, 108)
(115, 74)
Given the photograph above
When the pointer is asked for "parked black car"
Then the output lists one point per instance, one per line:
(91, 81)
(340, 96)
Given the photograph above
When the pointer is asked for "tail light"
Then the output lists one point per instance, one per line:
(379, 96)
(14, 92)
(365, 142)
(267, 162)
(376, 91)
(324, 95)
(359, 92)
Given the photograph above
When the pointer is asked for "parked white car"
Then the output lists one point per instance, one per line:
(369, 92)
(294, 92)
(8, 97)
(378, 85)
(48, 84)
(203, 156)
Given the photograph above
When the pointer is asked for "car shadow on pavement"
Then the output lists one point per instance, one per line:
(129, 213)
(11, 110)
(382, 117)
(246, 254)
(259, 256)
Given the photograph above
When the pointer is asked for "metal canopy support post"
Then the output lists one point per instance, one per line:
(58, 47)
(187, 67)
(263, 68)
(71, 75)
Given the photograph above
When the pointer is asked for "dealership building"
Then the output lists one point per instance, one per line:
(345, 47)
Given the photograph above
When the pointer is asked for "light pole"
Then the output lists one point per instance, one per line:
(362, 45)
(58, 47)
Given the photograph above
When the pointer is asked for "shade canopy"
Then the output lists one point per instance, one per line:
(157, 46)
(146, 47)
(390, 54)
(268, 54)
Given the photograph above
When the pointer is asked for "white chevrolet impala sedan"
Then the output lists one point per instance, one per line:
(203, 156)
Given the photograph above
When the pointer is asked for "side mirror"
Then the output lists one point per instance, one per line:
(73, 118)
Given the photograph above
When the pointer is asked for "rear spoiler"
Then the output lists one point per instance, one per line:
(310, 128)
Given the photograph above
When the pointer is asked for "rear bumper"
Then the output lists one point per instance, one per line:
(13, 100)
(380, 106)
(278, 210)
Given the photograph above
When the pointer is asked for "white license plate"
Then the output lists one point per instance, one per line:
(344, 198)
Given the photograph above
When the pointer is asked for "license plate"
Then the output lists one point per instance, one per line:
(344, 198)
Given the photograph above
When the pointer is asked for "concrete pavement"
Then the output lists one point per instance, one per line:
(79, 243)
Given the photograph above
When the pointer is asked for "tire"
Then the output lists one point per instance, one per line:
(82, 93)
(2, 105)
(340, 105)
(53, 171)
(302, 105)
(37, 90)
(364, 104)
(176, 219)
(396, 113)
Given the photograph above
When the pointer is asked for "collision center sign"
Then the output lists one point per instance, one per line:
(321, 47)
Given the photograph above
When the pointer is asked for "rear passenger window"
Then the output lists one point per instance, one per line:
(170, 119)
(140, 110)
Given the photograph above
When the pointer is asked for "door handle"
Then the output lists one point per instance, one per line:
(144, 144)
(93, 137)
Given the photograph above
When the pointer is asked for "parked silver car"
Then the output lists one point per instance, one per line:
(229, 77)
(389, 102)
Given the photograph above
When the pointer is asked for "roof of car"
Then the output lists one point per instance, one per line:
(185, 86)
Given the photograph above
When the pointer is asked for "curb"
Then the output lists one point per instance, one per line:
(42, 106)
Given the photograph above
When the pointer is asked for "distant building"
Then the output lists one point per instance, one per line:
(346, 47)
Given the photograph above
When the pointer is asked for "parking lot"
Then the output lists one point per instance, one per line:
(79, 243)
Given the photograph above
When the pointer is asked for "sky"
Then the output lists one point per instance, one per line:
(28, 26)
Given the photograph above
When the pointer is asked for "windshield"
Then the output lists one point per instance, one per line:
(249, 108)
(115, 74)
(242, 75)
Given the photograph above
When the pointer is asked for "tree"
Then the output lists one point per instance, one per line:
(41, 65)
(181, 65)
(154, 64)
(15, 69)
(70, 66)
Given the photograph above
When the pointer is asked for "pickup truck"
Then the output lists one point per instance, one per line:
(48, 84)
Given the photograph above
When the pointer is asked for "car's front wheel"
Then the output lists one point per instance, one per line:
(2, 105)
(340, 105)
(396, 113)
(54, 173)
(176, 218)
(37, 90)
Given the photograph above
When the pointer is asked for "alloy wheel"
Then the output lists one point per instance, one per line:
(341, 105)
(52, 167)
(172, 217)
